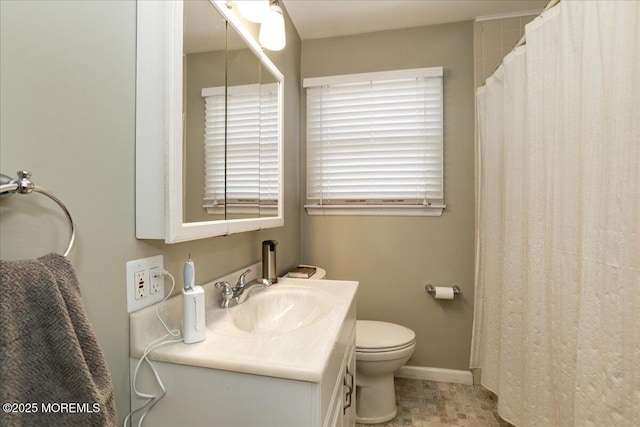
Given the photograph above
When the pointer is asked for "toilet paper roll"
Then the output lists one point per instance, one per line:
(443, 292)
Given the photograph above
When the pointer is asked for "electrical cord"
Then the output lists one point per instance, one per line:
(152, 399)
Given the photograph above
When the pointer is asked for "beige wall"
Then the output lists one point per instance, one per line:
(67, 112)
(395, 257)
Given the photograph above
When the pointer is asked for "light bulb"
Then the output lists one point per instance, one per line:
(253, 10)
(272, 35)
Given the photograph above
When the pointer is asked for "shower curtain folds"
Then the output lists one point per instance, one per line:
(557, 307)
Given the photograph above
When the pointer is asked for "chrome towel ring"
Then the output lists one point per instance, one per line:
(23, 185)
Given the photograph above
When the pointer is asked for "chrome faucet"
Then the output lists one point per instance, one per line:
(237, 295)
(242, 281)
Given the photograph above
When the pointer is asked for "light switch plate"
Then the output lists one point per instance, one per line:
(142, 288)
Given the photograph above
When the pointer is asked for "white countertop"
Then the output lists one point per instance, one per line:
(301, 354)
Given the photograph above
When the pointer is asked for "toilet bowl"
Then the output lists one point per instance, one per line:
(381, 349)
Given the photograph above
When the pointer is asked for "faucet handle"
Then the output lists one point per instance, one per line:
(241, 280)
(226, 294)
(226, 291)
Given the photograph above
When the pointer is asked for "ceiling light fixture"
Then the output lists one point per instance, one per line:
(272, 34)
(253, 10)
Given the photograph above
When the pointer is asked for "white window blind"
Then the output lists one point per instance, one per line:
(269, 145)
(375, 141)
(244, 171)
(214, 152)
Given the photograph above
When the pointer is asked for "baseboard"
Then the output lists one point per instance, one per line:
(435, 374)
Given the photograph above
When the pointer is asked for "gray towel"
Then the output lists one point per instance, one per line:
(52, 370)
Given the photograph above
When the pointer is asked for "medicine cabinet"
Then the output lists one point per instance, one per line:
(209, 120)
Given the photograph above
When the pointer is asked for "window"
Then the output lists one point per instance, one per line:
(214, 197)
(375, 143)
(243, 173)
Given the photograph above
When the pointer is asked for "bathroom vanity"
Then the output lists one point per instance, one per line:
(284, 357)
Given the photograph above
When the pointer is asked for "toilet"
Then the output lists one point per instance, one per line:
(381, 349)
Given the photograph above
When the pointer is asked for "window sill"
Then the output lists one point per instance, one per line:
(374, 210)
(243, 210)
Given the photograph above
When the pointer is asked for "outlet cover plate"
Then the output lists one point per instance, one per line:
(144, 264)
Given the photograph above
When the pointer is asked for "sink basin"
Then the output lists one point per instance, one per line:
(274, 311)
(287, 330)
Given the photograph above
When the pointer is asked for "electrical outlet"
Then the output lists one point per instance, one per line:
(144, 286)
(156, 280)
(141, 283)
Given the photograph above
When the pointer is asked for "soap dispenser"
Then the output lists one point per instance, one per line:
(269, 275)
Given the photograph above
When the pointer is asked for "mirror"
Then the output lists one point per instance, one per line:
(219, 110)
(204, 61)
(243, 129)
(233, 174)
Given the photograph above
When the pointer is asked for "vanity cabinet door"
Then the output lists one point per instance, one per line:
(333, 388)
(349, 381)
(337, 389)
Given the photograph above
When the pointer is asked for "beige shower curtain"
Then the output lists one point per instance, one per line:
(557, 309)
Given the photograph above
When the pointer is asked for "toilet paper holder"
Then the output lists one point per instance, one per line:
(432, 290)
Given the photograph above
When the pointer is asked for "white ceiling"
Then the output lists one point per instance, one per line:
(329, 18)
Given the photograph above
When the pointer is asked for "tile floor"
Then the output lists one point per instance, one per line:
(434, 404)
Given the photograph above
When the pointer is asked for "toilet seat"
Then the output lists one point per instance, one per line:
(384, 349)
(377, 337)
